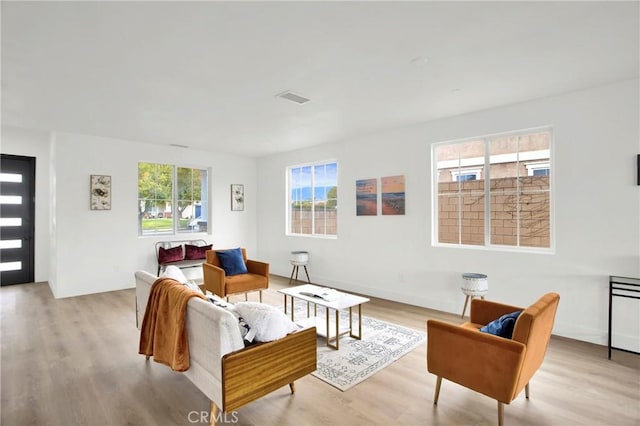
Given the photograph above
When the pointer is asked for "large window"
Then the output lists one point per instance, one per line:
(171, 199)
(494, 191)
(312, 192)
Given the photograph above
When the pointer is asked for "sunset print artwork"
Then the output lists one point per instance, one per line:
(393, 195)
(367, 197)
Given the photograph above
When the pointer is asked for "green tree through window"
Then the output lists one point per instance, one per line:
(167, 208)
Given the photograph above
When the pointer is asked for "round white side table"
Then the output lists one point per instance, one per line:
(473, 285)
(298, 259)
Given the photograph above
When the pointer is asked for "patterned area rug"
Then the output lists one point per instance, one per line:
(382, 343)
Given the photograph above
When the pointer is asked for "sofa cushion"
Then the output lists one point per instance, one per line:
(243, 326)
(267, 322)
(232, 261)
(243, 283)
(196, 252)
(174, 272)
(503, 326)
(168, 255)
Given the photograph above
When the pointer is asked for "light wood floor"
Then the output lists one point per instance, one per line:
(74, 362)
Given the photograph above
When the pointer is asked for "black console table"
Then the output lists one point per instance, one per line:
(621, 287)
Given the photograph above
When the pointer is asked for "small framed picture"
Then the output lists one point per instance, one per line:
(100, 192)
(237, 197)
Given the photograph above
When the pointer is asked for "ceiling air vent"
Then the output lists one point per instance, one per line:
(300, 100)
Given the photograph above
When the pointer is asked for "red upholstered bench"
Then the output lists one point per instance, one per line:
(181, 253)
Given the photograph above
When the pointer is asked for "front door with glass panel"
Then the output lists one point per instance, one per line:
(17, 211)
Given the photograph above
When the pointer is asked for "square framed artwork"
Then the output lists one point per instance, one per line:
(100, 192)
(237, 197)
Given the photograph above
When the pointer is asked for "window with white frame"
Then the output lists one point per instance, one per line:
(494, 191)
(538, 168)
(466, 174)
(312, 194)
(172, 199)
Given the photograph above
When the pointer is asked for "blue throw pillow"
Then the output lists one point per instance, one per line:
(503, 326)
(232, 261)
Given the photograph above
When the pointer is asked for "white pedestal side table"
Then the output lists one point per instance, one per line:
(298, 259)
(473, 285)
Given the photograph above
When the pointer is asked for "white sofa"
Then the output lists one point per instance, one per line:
(229, 374)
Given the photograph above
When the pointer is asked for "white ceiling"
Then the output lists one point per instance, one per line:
(205, 74)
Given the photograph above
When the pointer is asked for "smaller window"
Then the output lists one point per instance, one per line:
(312, 193)
(538, 169)
(461, 178)
(171, 199)
(462, 175)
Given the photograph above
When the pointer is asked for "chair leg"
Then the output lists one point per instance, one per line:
(500, 413)
(260, 296)
(437, 394)
(526, 391)
(214, 414)
(292, 386)
(246, 297)
(307, 272)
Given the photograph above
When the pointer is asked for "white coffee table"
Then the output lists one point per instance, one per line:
(345, 301)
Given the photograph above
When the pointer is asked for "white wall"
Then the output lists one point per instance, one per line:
(97, 251)
(597, 138)
(100, 250)
(597, 215)
(33, 143)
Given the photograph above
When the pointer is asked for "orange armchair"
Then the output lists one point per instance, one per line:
(494, 366)
(217, 282)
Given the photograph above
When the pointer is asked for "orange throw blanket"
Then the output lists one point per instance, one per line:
(164, 334)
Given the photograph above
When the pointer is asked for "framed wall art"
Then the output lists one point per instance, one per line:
(237, 197)
(393, 195)
(100, 192)
(367, 197)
